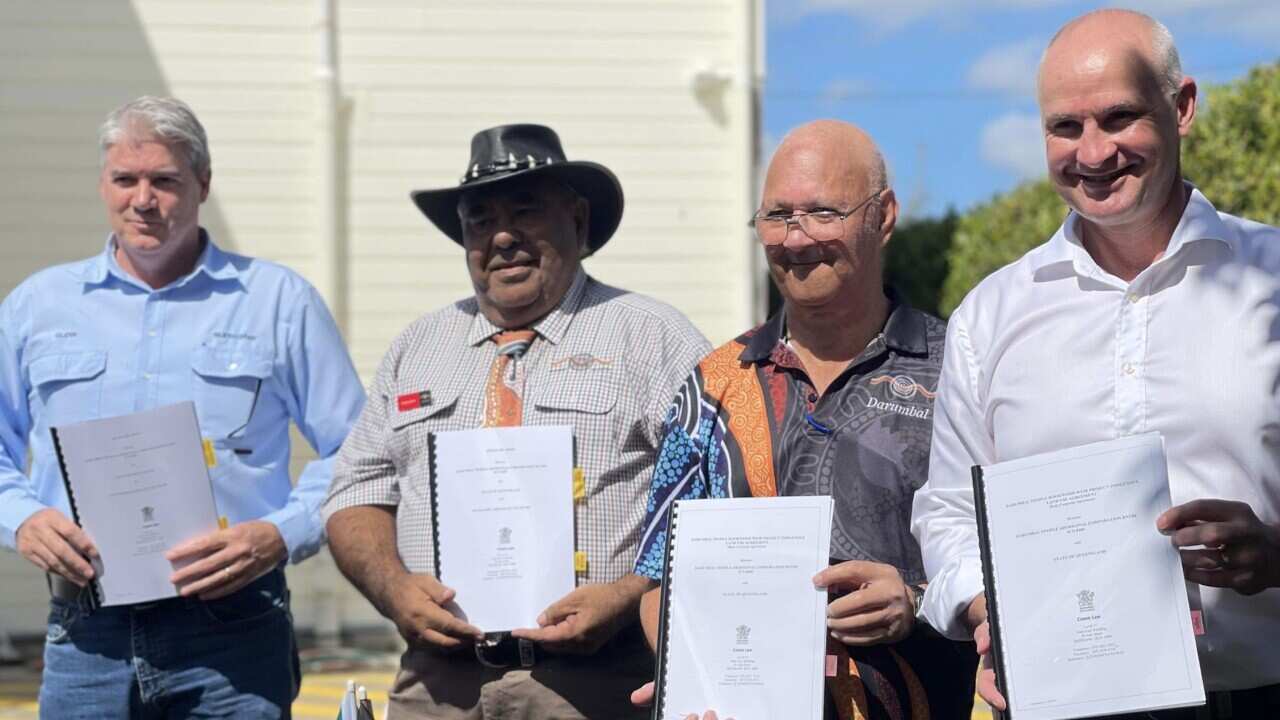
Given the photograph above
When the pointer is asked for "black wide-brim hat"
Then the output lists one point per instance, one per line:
(506, 152)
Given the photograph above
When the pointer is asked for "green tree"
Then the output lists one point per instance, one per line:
(1233, 152)
(998, 232)
(1232, 155)
(916, 259)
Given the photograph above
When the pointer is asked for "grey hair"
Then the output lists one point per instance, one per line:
(1165, 52)
(166, 119)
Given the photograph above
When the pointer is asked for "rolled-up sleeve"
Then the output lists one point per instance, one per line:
(943, 511)
(364, 472)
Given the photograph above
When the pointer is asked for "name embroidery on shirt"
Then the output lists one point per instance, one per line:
(581, 361)
(904, 388)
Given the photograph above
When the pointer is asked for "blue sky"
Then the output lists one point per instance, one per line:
(947, 88)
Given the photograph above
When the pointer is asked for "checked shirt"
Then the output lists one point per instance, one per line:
(606, 362)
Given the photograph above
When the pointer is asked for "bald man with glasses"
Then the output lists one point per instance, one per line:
(831, 396)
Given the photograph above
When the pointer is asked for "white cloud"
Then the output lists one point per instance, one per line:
(891, 16)
(1260, 19)
(840, 90)
(1015, 142)
(1007, 68)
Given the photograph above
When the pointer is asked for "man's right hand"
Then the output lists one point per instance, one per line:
(976, 616)
(55, 544)
(643, 697)
(418, 610)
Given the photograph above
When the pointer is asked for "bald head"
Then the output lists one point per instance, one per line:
(854, 148)
(1101, 35)
(826, 214)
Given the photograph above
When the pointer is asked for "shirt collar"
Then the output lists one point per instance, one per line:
(904, 331)
(551, 327)
(212, 262)
(1200, 221)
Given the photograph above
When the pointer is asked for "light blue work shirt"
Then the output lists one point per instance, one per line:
(249, 341)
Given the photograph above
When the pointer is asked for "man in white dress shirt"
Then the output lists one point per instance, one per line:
(1148, 310)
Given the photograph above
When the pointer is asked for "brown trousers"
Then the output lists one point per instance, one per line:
(456, 686)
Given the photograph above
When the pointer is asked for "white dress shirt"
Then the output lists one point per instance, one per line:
(1051, 352)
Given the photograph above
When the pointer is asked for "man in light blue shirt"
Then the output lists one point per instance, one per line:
(163, 315)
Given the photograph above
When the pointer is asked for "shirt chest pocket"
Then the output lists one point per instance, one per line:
(410, 433)
(68, 385)
(585, 399)
(227, 386)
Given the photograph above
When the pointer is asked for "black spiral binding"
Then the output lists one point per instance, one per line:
(664, 615)
(95, 596)
(435, 505)
(989, 587)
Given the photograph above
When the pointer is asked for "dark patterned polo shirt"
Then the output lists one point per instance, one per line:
(749, 422)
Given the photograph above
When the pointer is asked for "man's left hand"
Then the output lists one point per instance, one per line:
(583, 621)
(1239, 550)
(878, 609)
(224, 561)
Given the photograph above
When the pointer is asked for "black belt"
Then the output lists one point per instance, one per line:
(500, 650)
(1259, 702)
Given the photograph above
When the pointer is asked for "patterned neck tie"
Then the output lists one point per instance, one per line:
(503, 393)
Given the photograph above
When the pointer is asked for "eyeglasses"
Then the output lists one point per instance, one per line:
(821, 225)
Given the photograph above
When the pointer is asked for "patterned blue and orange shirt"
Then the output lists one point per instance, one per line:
(749, 422)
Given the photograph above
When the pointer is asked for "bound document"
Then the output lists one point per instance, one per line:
(1086, 600)
(742, 628)
(502, 507)
(138, 485)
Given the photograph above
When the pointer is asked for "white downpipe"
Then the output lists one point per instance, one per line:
(754, 71)
(330, 275)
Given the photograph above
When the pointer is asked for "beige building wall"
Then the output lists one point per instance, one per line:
(661, 91)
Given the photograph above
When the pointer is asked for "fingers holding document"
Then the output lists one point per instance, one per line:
(419, 608)
(1224, 544)
(53, 543)
(585, 619)
(223, 561)
(986, 685)
(879, 607)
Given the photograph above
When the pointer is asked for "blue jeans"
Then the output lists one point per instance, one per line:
(234, 657)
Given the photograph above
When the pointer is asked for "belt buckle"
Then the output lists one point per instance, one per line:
(526, 653)
(498, 642)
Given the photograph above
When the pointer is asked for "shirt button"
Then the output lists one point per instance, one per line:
(1128, 368)
(233, 366)
(146, 376)
(1133, 298)
(813, 397)
(151, 333)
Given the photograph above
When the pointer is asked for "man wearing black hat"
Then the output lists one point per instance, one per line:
(540, 343)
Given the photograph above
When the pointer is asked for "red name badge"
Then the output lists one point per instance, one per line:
(413, 401)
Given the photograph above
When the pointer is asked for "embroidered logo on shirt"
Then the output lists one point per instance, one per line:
(581, 361)
(903, 386)
(413, 401)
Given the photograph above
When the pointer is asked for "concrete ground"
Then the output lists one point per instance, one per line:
(323, 682)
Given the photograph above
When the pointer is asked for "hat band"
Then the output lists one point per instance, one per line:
(512, 163)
